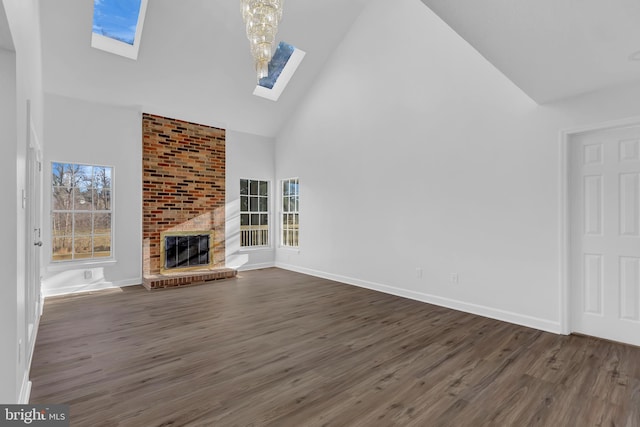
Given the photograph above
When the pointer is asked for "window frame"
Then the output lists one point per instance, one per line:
(251, 212)
(285, 209)
(91, 259)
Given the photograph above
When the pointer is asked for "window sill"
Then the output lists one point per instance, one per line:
(76, 265)
(255, 248)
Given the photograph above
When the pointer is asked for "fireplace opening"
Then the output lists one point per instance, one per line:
(186, 251)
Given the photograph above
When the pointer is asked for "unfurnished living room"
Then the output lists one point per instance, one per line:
(335, 213)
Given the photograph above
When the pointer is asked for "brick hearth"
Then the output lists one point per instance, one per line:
(186, 279)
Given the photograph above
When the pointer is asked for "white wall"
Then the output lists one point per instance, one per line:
(8, 209)
(248, 156)
(414, 152)
(90, 133)
(25, 85)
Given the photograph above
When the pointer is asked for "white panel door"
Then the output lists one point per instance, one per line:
(604, 187)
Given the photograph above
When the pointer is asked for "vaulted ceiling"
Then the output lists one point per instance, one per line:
(551, 49)
(194, 61)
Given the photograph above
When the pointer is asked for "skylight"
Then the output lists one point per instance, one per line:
(283, 64)
(117, 26)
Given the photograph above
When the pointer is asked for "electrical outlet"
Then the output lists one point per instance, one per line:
(453, 278)
(419, 273)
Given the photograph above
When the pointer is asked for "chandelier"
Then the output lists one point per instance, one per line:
(261, 18)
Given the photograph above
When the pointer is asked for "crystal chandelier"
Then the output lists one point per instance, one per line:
(261, 18)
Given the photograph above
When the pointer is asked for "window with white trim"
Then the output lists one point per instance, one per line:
(290, 219)
(81, 211)
(254, 213)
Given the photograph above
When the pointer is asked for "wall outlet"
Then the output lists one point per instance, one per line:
(88, 274)
(419, 273)
(453, 278)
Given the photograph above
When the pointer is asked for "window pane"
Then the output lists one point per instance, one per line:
(253, 188)
(253, 204)
(102, 199)
(62, 199)
(61, 224)
(244, 186)
(264, 219)
(102, 245)
(62, 174)
(244, 219)
(82, 223)
(244, 204)
(263, 204)
(255, 219)
(82, 247)
(101, 177)
(57, 174)
(285, 204)
(83, 176)
(102, 223)
(285, 188)
(263, 188)
(82, 198)
(69, 175)
(294, 203)
(62, 247)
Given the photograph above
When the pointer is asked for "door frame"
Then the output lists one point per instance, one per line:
(565, 220)
(33, 218)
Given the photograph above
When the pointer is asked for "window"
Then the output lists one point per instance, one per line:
(283, 64)
(254, 213)
(81, 215)
(117, 26)
(290, 212)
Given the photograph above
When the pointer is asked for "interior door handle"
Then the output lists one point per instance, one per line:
(38, 243)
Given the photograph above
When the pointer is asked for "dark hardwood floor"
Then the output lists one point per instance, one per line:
(277, 348)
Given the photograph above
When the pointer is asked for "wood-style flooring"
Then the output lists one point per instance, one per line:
(277, 348)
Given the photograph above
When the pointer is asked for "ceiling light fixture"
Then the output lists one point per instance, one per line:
(261, 18)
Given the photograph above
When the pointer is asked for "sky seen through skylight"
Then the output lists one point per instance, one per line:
(116, 19)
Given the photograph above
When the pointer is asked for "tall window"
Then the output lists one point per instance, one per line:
(254, 213)
(290, 212)
(81, 215)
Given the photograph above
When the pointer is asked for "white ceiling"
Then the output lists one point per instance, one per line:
(551, 49)
(194, 60)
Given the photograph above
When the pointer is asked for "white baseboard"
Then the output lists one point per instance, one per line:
(25, 391)
(247, 267)
(490, 312)
(91, 287)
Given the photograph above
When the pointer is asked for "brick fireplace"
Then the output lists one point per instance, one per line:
(183, 193)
